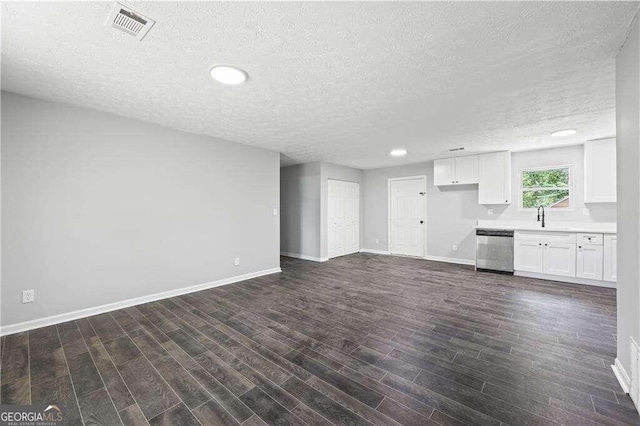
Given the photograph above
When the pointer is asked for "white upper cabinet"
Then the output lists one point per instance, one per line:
(494, 178)
(600, 171)
(444, 172)
(455, 171)
(467, 170)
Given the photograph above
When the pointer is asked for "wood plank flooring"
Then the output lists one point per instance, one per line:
(359, 340)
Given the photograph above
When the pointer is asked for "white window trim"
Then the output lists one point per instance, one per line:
(571, 168)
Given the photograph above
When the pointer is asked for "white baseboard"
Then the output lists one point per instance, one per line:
(562, 279)
(385, 252)
(304, 257)
(634, 354)
(451, 260)
(621, 375)
(69, 316)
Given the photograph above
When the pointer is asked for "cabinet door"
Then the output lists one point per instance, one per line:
(589, 264)
(467, 169)
(444, 172)
(610, 258)
(494, 179)
(560, 259)
(600, 171)
(528, 256)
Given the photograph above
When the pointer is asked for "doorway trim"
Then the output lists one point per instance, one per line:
(424, 238)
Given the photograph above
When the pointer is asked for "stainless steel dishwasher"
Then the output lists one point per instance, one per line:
(494, 250)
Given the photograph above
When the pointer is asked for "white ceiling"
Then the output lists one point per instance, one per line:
(337, 82)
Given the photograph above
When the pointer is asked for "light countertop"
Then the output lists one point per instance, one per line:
(595, 228)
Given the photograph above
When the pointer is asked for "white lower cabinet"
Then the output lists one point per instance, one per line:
(555, 258)
(528, 256)
(566, 255)
(545, 253)
(559, 259)
(610, 258)
(589, 264)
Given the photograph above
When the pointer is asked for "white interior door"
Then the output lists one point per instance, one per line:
(406, 216)
(343, 218)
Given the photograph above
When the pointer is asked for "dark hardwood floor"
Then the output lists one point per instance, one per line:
(360, 339)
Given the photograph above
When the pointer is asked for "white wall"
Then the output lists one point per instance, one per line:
(300, 210)
(98, 208)
(453, 211)
(628, 169)
(572, 155)
(374, 194)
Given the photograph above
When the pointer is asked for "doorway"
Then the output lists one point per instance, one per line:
(407, 221)
(343, 218)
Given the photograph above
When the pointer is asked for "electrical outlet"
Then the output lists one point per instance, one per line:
(28, 296)
(275, 212)
(236, 261)
(377, 241)
(455, 247)
(490, 212)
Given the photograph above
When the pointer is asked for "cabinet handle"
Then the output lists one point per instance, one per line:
(539, 244)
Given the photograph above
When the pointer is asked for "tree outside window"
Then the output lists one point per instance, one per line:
(548, 187)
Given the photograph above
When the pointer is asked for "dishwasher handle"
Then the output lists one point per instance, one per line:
(494, 233)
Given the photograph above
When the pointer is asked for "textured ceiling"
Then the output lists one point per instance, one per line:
(337, 82)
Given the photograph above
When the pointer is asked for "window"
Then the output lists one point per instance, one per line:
(549, 187)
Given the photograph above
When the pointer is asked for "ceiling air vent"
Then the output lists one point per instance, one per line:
(456, 149)
(129, 21)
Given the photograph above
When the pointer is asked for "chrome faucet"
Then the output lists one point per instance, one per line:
(541, 207)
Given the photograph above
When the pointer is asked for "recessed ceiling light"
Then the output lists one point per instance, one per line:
(228, 75)
(398, 152)
(561, 133)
